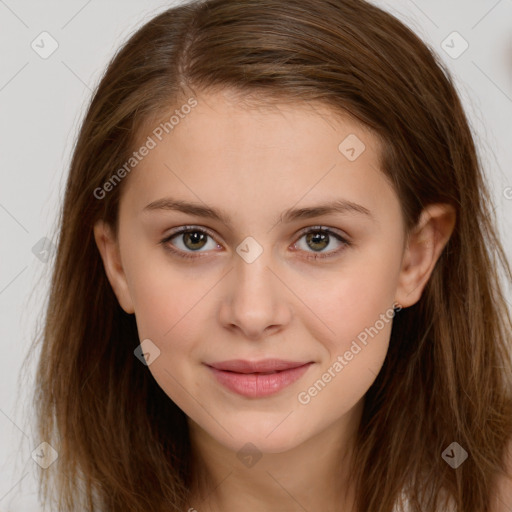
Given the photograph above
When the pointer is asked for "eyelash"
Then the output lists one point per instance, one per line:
(313, 229)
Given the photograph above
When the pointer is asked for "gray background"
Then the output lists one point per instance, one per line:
(42, 101)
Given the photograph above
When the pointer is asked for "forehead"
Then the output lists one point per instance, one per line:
(224, 149)
(268, 121)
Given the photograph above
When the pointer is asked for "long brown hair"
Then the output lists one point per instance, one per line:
(123, 445)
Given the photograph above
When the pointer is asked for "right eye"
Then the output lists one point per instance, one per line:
(191, 239)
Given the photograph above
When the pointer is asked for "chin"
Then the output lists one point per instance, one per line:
(265, 439)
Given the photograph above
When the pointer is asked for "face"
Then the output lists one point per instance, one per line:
(276, 274)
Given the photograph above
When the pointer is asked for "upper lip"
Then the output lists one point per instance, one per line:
(264, 365)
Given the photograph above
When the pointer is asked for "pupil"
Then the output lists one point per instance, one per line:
(195, 237)
(318, 238)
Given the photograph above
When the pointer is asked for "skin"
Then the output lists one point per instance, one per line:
(255, 163)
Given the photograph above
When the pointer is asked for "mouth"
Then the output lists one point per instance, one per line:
(258, 379)
(263, 366)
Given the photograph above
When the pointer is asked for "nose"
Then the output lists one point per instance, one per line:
(255, 301)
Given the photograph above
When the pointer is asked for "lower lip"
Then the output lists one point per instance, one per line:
(255, 385)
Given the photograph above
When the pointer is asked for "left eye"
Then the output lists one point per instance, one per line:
(318, 238)
(193, 239)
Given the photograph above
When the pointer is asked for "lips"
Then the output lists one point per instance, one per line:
(267, 366)
(258, 379)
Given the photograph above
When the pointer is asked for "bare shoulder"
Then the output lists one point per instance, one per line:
(503, 499)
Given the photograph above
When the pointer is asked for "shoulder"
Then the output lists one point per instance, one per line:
(503, 498)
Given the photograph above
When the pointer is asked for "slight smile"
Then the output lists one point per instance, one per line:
(257, 379)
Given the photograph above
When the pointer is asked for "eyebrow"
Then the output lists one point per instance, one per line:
(201, 210)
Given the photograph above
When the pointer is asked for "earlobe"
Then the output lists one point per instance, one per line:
(424, 246)
(109, 251)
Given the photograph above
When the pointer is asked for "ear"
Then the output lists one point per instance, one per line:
(109, 249)
(424, 246)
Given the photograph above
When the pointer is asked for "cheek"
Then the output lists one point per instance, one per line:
(359, 321)
(355, 300)
(166, 302)
(170, 310)
(170, 318)
(360, 316)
